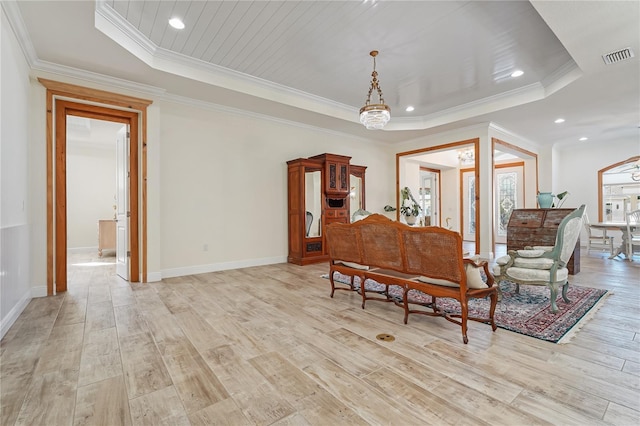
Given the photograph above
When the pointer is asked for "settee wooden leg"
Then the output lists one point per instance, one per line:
(492, 309)
(363, 291)
(333, 286)
(405, 302)
(464, 313)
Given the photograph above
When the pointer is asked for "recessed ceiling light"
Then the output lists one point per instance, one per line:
(559, 120)
(517, 73)
(584, 138)
(176, 23)
(409, 109)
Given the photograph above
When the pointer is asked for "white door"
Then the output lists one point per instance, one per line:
(469, 206)
(429, 197)
(509, 195)
(122, 203)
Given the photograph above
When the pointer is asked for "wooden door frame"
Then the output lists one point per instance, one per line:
(475, 142)
(65, 99)
(601, 173)
(525, 153)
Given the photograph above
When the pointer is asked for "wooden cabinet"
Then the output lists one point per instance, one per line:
(336, 169)
(318, 194)
(106, 235)
(538, 227)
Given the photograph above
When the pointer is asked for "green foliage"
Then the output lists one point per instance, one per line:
(408, 205)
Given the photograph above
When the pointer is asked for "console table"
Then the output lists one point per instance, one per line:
(538, 227)
(106, 235)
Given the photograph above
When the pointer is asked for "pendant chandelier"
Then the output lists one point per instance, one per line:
(375, 116)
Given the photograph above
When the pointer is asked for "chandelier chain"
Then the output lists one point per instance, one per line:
(375, 116)
(374, 85)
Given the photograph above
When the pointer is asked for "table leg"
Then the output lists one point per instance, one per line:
(622, 248)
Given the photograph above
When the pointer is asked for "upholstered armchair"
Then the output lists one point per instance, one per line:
(542, 265)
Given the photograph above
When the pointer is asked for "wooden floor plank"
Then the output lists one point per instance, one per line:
(267, 346)
(142, 364)
(103, 403)
(100, 357)
(161, 407)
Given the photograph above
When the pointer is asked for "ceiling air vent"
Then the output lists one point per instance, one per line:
(618, 55)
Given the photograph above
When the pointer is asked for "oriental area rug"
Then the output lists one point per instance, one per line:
(527, 312)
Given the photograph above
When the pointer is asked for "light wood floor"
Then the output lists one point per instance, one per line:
(266, 345)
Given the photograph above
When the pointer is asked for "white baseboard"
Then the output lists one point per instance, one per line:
(223, 266)
(14, 313)
(154, 276)
(82, 249)
(39, 291)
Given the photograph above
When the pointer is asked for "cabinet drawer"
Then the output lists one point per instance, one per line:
(525, 219)
(553, 218)
(336, 213)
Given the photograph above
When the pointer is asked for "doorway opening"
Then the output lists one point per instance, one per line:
(92, 170)
(432, 172)
(68, 100)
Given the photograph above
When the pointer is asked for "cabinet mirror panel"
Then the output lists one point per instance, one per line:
(313, 203)
(355, 194)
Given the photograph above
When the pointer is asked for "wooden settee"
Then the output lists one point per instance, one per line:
(428, 259)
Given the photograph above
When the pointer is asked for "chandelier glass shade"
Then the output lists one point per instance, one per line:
(375, 116)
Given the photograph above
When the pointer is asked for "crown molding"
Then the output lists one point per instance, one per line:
(562, 77)
(211, 106)
(451, 133)
(110, 23)
(511, 98)
(498, 128)
(96, 78)
(10, 8)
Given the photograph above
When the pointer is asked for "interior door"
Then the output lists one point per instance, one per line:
(429, 197)
(122, 203)
(469, 205)
(509, 195)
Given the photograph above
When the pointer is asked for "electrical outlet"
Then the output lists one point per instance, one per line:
(205, 247)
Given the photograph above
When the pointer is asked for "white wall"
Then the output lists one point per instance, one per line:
(15, 279)
(223, 182)
(578, 173)
(91, 186)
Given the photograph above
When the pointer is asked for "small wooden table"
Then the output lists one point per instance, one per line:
(616, 226)
(106, 235)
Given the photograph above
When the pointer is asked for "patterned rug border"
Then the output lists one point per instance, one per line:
(536, 324)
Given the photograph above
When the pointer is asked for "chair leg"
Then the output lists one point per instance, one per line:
(565, 287)
(554, 295)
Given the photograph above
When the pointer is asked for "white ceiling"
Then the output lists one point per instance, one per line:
(308, 61)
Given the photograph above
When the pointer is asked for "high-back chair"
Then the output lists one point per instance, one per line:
(633, 232)
(597, 237)
(544, 265)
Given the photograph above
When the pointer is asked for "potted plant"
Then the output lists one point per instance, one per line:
(409, 207)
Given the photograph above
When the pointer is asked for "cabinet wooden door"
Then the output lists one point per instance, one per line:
(337, 182)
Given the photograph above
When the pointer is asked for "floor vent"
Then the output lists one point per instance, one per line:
(618, 55)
